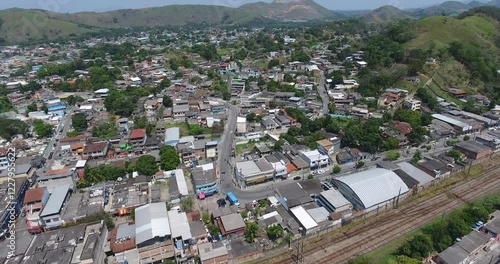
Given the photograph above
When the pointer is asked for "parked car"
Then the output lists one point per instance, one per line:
(296, 178)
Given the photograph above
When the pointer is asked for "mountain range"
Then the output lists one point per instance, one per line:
(18, 25)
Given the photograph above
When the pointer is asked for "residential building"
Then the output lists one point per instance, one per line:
(492, 227)
(413, 104)
(315, 159)
(172, 136)
(435, 168)
(96, 150)
(268, 123)
(151, 224)
(204, 180)
(34, 202)
(231, 224)
(4, 158)
(51, 215)
(211, 149)
(213, 253)
(253, 172)
(180, 110)
(138, 137)
(328, 147)
(464, 250)
(473, 150)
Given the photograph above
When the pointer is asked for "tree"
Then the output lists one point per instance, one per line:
(273, 63)
(466, 138)
(404, 260)
(165, 83)
(20, 144)
(416, 158)
(103, 172)
(278, 146)
(274, 232)
(41, 128)
(79, 122)
(251, 117)
(187, 204)
(167, 101)
(360, 164)
(336, 169)
(392, 155)
(251, 231)
(205, 217)
(72, 134)
(360, 260)
(391, 143)
(72, 100)
(213, 230)
(455, 154)
(169, 158)
(419, 247)
(146, 165)
(12, 127)
(32, 107)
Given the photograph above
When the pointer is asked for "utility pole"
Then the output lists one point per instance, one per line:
(298, 257)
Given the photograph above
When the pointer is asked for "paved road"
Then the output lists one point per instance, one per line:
(65, 124)
(226, 162)
(323, 93)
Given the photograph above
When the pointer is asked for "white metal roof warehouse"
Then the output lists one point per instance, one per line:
(371, 188)
(151, 221)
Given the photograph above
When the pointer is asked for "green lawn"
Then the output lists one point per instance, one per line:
(242, 148)
(435, 88)
(383, 254)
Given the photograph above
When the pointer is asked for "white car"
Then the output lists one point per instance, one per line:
(321, 171)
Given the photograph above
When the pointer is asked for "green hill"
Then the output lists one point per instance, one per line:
(20, 25)
(290, 10)
(446, 8)
(441, 31)
(385, 14)
(176, 15)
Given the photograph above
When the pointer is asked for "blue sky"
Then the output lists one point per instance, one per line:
(105, 5)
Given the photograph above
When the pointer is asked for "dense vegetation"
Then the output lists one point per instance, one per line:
(101, 173)
(441, 233)
(11, 127)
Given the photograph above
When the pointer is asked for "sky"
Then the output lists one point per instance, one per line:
(106, 5)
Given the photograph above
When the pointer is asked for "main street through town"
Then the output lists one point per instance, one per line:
(226, 161)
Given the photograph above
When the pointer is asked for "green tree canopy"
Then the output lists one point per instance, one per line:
(169, 158)
(79, 122)
(41, 128)
(146, 165)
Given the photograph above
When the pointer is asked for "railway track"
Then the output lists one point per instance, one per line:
(338, 248)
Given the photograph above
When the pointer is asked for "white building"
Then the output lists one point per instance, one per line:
(315, 159)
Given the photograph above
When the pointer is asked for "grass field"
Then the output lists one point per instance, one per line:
(383, 254)
(441, 31)
(21, 25)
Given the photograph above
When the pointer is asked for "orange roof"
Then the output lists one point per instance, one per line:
(290, 168)
(33, 195)
(137, 133)
(69, 139)
(76, 146)
(57, 172)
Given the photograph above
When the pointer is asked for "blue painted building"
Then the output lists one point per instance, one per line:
(57, 109)
(205, 180)
(218, 108)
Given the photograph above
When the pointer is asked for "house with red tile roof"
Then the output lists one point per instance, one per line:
(34, 201)
(96, 150)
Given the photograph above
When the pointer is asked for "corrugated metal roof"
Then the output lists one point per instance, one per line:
(151, 221)
(415, 173)
(304, 218)
(181, 182)
(374, 186)
(55, 201)
(179, 225)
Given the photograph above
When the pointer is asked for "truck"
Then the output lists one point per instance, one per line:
(232, 199)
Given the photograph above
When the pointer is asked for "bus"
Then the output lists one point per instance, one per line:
(232, 199)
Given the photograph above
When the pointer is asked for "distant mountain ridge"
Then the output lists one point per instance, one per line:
(290, 10)
(19, 25)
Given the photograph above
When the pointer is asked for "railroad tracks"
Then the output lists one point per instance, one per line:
(340, 247)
